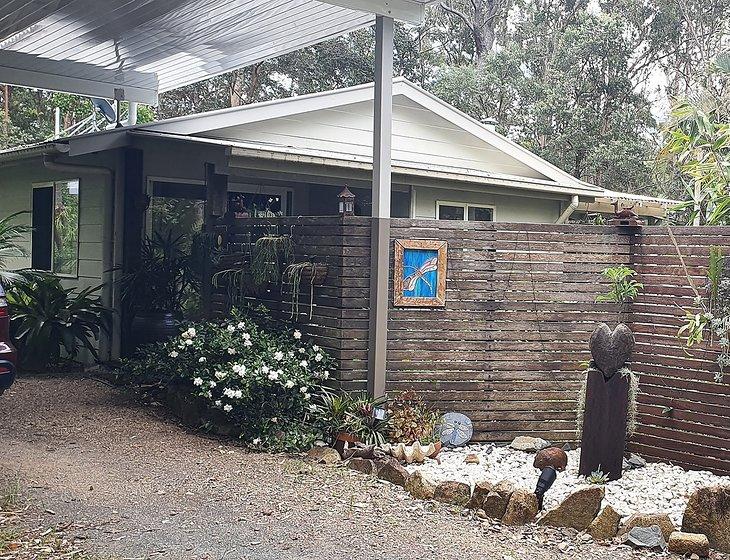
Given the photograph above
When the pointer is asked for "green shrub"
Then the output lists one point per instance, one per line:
(47, 318)
(268, 383)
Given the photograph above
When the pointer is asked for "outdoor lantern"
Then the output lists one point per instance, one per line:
(547, 477)
(347, 202)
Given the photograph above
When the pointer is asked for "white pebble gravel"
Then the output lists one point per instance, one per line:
(655, 488)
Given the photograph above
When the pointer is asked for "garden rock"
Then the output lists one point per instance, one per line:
(452, 492)
(605, 525)
(521, 509)
(324, 455)
(360, 464)
(708, 512)
(633, 461)
(472, 459)
(419, 487)
(689, 543)
(392, 471)
(645, 537)
(529, 444)
(661, 520)
(551, 457)
(611, 349)
(481, 491)
(495, 503)
(577, 510)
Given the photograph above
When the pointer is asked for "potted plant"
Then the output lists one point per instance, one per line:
(155, 293)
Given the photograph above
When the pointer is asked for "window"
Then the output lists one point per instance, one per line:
(464, 211)
(176, 209)
(55, 237)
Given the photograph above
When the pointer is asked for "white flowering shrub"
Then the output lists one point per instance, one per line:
(265, 382)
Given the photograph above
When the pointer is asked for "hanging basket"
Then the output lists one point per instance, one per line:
(314, 274)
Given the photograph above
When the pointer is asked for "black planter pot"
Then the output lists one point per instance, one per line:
(152, 327)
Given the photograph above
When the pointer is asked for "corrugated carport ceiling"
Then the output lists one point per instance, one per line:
(140, 47)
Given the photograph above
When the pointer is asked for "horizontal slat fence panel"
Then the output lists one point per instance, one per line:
(507, 348)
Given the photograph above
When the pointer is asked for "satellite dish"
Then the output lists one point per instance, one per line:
(105, 108)
(455, 429)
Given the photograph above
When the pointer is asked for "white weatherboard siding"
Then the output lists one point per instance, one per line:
(419, 136)
(508, 207)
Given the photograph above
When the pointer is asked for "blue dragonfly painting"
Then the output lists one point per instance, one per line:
(420, 273)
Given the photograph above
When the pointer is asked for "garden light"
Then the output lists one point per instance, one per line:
(547, 477)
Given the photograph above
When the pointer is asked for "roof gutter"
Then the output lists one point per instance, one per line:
(568, 212)
(31, 151)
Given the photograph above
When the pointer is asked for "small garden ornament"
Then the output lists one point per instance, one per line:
(607, 410)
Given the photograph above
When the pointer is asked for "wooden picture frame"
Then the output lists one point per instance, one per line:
(419, 273)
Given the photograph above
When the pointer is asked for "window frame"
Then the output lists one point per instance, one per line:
(466, 206)
(151, 180)
(52, 184)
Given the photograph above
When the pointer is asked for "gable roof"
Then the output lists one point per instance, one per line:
(217, 123)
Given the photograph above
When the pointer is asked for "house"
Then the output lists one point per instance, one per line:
(287, 157)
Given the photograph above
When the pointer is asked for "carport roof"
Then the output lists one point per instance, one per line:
(135, 49)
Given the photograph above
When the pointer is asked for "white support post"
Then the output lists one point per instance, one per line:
(380, 230)
(132, 113)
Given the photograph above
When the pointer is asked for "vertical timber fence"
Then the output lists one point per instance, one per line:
(509, 347)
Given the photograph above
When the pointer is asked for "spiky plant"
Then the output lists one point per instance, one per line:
(12, 234)
(597, 477)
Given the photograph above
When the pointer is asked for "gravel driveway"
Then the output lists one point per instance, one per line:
(133, 483)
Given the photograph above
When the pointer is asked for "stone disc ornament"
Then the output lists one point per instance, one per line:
(455, 429)
(611, 349)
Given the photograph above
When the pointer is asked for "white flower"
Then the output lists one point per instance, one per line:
(218, 403)
(313, 408)
(192, 332)
(241, 325)
(297, 335)
(221, 375)
(279, 356)
(274, 419)
(231, 328)
(208, 394)
(247, 343)
(212, 384)
(289, 384)
(273, 376)
(238, 394)
(201, 359)
(326, 374)
(307, 396)
(228, 408)
(257, 441)
(290, 353)
(188, 342)
(301, 350)
(303, 363)
(318, 358)
(264, 369)
(174, 354)
(246, 336)
(198, 381)
(231, 351)
(303, 390)
(315, 348)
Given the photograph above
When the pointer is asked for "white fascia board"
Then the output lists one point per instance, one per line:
(62, 75)
(410, 11)
(234, 116)
(474, 127)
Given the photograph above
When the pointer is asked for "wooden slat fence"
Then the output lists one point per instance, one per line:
(507, 349)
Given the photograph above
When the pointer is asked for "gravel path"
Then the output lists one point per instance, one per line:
(132, 483)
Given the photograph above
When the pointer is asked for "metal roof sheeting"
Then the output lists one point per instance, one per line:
(140, 47)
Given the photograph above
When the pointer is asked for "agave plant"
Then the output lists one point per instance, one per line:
(11, 234)
(48, 318)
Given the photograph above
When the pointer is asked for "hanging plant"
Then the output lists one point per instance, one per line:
(269, 253)
(312, 274)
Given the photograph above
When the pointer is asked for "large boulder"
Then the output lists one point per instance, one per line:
(452, 492)
(420, 487)
(577, 510)
(391, 470)
(529, 444)
(551, 457)
(605, 525)
(661, 520)
(521, 509)
(708, 513)
(688, 544)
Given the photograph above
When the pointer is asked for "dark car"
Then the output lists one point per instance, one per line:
(8, 354)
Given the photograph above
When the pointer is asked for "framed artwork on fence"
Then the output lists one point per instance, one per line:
(419, 273)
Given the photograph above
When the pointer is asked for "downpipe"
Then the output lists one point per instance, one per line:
(109, 271)
(568, 212)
